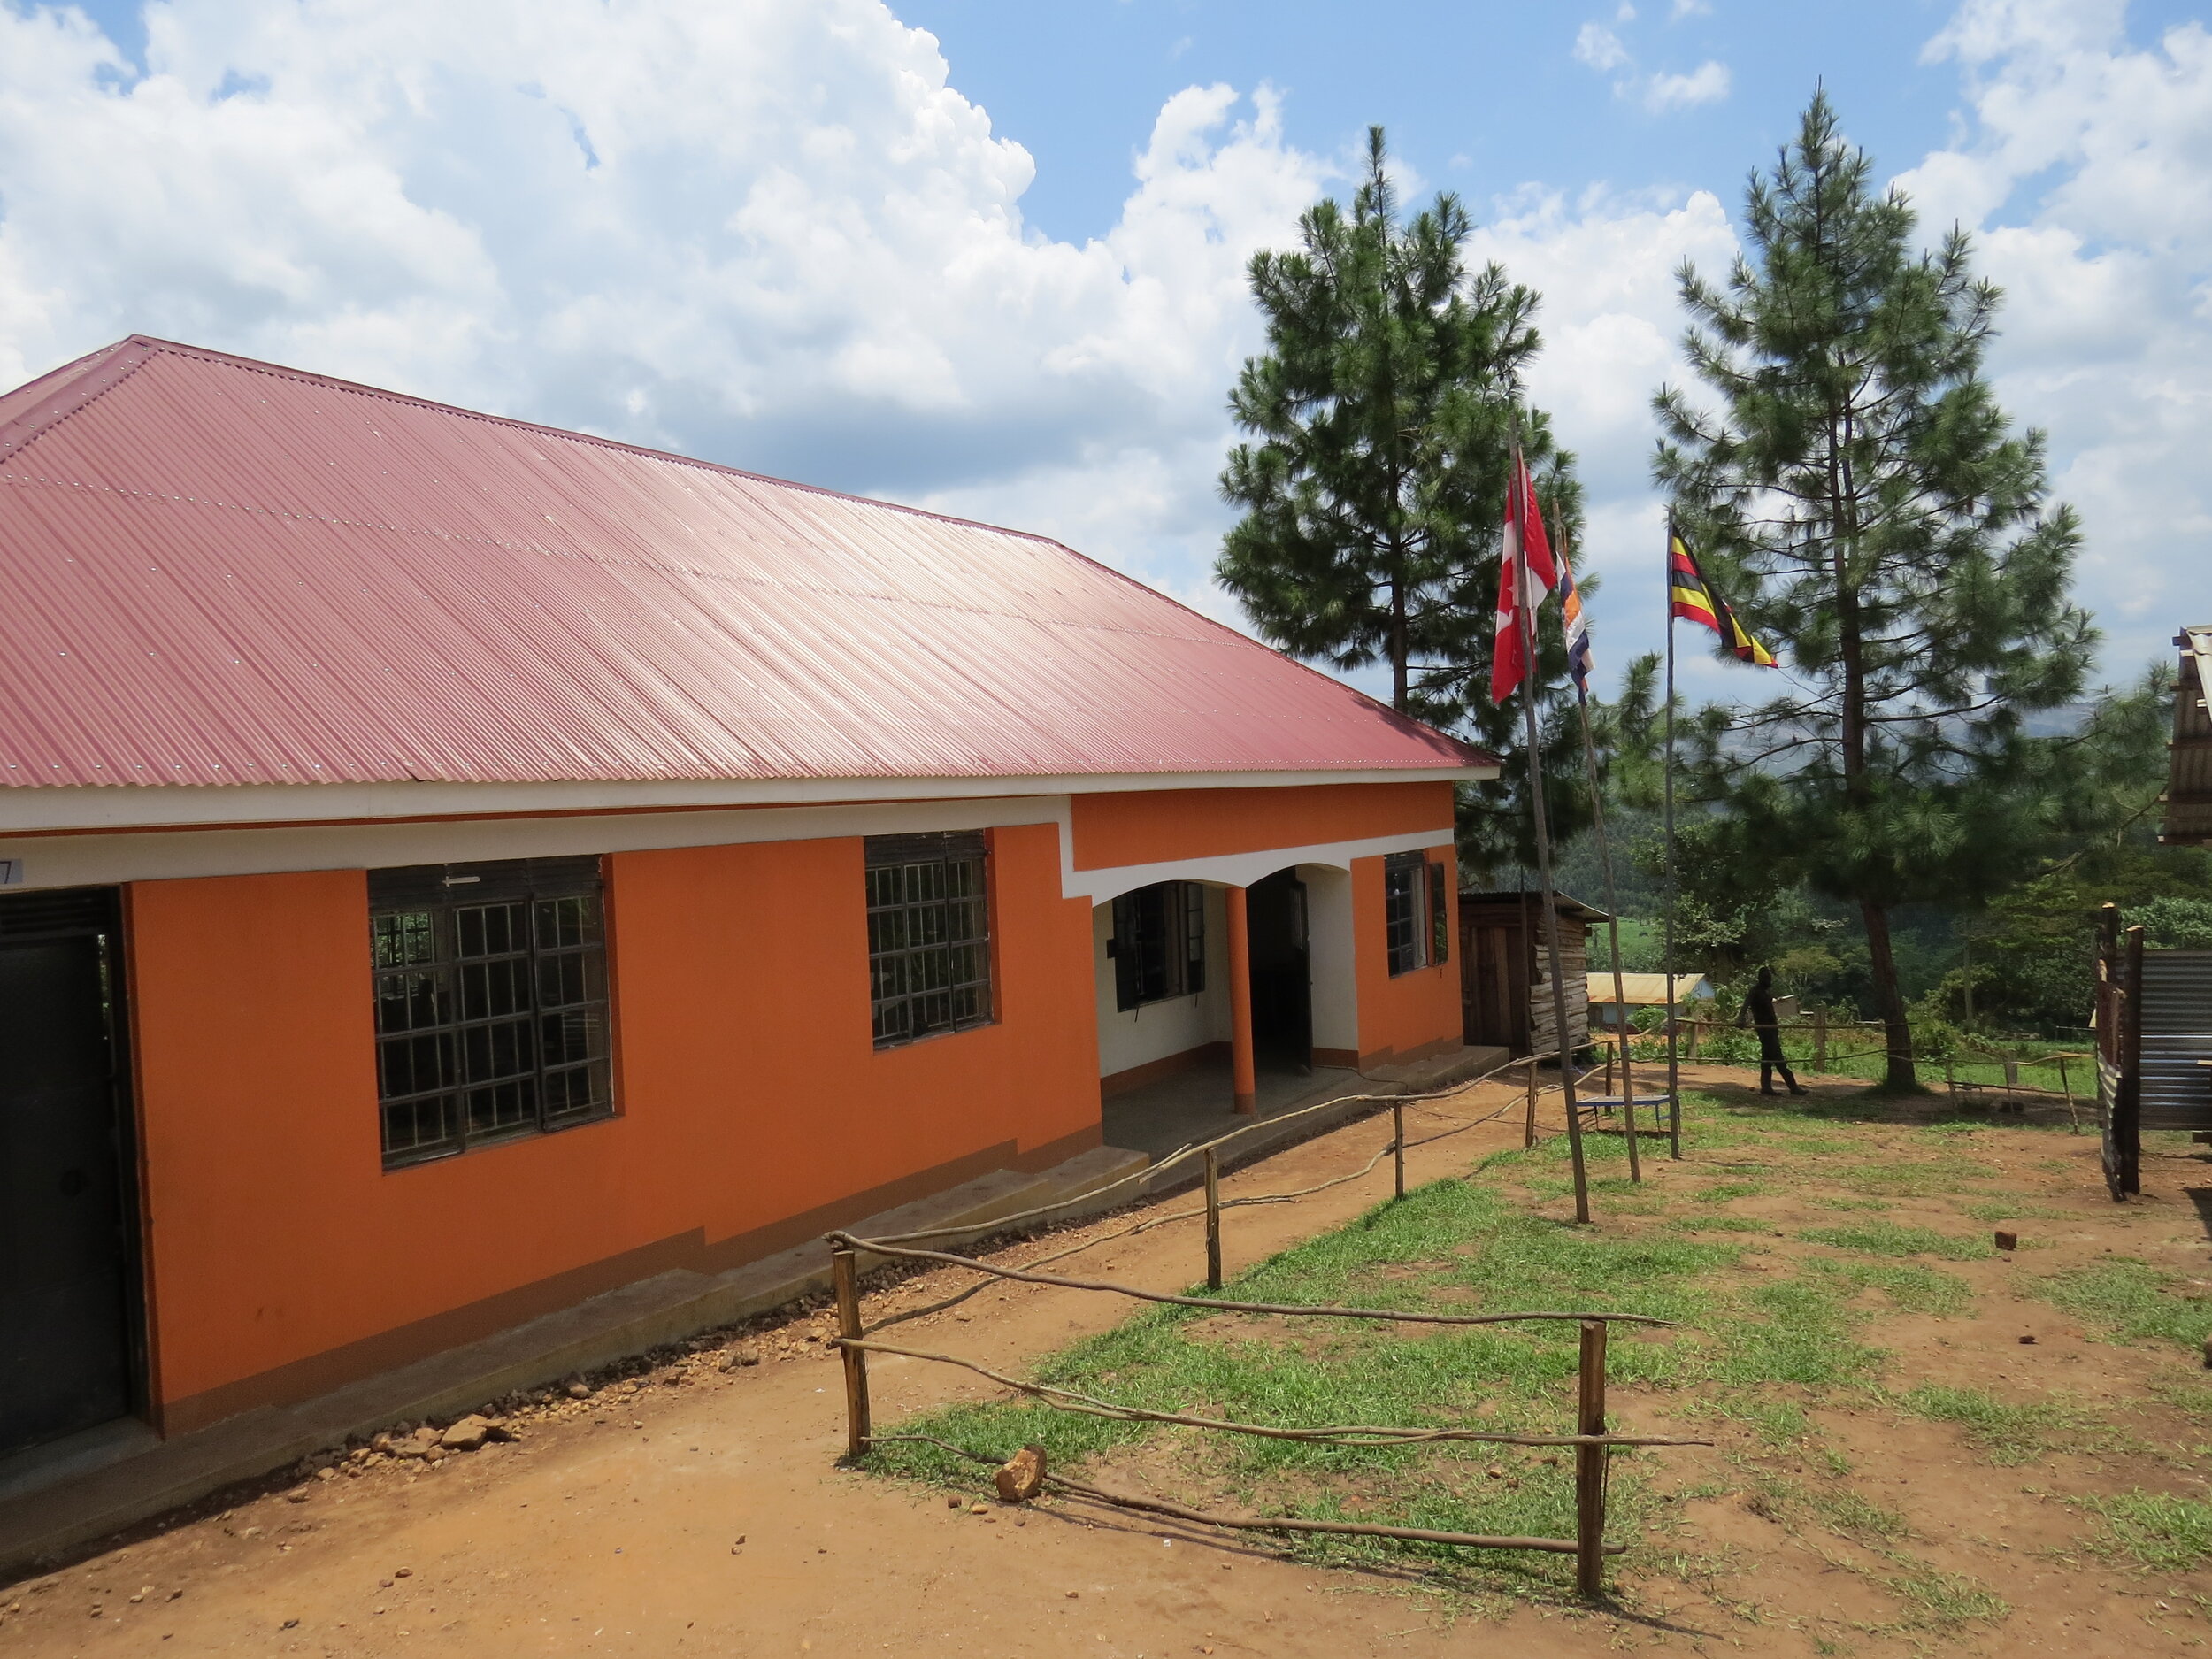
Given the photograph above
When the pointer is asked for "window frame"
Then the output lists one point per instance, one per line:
(1181, 926)
(945, 935)
(444, 979)
(1416, 913)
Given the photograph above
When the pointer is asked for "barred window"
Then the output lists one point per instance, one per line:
(929, 945)
(1158, 943)
(491, 1002)
(1416, 912)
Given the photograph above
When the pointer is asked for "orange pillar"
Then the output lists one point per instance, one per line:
(1244, 1076)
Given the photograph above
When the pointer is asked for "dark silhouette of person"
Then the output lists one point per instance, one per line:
(1758, 1013)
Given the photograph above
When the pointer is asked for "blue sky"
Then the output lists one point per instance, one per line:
(987, 257)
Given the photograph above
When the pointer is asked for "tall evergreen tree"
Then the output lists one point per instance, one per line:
(1380, 420)
(1854, 489)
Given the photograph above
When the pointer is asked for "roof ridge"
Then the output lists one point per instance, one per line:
(69, 388)
(147, 346)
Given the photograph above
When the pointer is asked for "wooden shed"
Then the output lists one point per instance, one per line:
(1504, 985)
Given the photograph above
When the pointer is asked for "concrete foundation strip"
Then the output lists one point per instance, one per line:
(1151, 1171)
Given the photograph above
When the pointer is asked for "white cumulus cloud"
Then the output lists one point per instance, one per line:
(1708, 83)
(2086, 173)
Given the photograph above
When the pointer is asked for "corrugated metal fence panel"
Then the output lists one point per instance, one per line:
(2177, 993)
(222, 571)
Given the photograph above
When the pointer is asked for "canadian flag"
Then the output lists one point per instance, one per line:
(1528, 555)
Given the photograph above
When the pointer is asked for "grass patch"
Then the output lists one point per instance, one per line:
(1721, 1191)
(1890, 1238)
(1721, 1224)
(2156, 1531)
(2012, 1209)
(2130, 1299)
(1910, 1287)
(1944, 1601)
(2007, 1434)
(1849, 1203)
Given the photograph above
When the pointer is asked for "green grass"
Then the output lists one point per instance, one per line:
(1944, 1601)
(2009, 1433)
(2130, 1299)
(2156, 1531)
(1889, 1238)
(2012, 1209)
(1910, 1287)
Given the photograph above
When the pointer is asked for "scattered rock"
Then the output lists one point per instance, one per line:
(470, 1432)
(745, 1355)
(2027, 1342)
(954, 1503)
(1023, 1476)
(979, 1509)
(327, 1472)
(578, 1390)
(296, 1497)
(2008, 1241)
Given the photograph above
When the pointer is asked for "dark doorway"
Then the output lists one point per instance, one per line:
(1282, 989)
(68, 1279)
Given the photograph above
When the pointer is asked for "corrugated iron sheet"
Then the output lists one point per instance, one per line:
(225, 572)
(2189, 767)
(2177, 1044)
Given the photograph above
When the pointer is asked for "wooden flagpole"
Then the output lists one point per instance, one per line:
(1674, 1057)
(1612, 919)
(1525, 619)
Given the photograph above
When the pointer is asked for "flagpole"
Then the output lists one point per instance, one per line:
(1523, 612)
(1612, 917)
(1674, 1056)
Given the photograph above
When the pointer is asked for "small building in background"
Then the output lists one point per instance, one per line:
(1505, 987)
(1639, 991)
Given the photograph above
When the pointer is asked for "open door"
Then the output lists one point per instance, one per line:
(69, 1321)
(1282, 973)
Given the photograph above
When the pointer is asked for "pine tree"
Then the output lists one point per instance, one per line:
(1852, 488)
(1381, 417)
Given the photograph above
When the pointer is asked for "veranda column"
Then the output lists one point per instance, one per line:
(1243, 1077)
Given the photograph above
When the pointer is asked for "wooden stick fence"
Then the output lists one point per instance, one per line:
(1591, 1441)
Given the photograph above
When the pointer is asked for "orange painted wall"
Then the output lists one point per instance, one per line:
(1154, 826)
(1412, 1013)
(748, 1091)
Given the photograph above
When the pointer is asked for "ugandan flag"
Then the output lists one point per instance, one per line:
(1691, 596)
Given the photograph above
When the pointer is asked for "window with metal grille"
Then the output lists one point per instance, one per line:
(1158, 943)
(929, 936)
(1416, 912)
(491, 1002)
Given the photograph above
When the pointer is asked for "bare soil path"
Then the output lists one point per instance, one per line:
(699, 1507)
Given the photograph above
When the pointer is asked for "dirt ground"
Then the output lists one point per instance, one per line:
(699, 1506)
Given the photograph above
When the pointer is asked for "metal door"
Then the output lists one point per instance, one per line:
(67, 1269)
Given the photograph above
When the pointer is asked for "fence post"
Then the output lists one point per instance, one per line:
(1820, 1039)
(845, 1276)
(1694, 1024)
(1590, 1463)
(2073, 1118)
(1398, 1142)
(1213, 1220)
(1529, 1139)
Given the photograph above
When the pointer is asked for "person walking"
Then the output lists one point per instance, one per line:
(1758, 1013)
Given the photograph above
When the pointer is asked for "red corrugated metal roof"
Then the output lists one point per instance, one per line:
(220, 570)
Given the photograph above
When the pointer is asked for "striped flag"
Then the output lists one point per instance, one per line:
(1525, 547)
(1578, 628)
(1691, 596)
